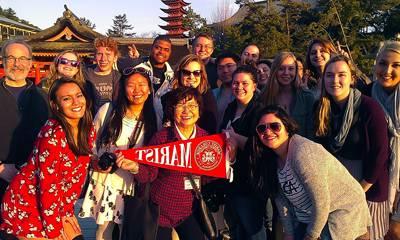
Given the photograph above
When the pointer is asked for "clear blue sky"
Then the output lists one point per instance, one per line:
(142, 14)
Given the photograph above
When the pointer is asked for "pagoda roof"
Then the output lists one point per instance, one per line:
(172, 18)
(174, 10)
(175, 2)
(67, 29)
(172, 27)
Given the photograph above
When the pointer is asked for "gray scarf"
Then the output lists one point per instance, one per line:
(391, 107)
(352, 105)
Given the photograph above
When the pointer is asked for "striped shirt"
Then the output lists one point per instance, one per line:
(295, 193)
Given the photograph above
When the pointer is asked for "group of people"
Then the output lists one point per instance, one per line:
(314, 148)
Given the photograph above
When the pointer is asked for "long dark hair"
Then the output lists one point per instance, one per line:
(82, 147)
(113, 129)
(263, 163)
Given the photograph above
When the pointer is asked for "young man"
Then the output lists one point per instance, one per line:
(226, 65)
(24, 110)
(104, 78)
(160, 72)
(203, 46)
(250, 55)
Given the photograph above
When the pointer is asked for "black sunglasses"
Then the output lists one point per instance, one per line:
(274, 126)
(72, 63)
(187, 73)
(131, 70)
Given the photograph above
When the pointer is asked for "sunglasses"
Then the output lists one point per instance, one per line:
(72, 63)
(187, 73)
(274, 126)
(132, 70)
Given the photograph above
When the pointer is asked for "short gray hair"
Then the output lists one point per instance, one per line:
(7, 43)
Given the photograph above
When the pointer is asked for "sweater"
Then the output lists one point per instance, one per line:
(337, 198)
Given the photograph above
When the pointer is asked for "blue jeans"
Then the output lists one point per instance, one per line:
(244, 214)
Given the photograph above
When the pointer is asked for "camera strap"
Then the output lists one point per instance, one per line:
(135, 134)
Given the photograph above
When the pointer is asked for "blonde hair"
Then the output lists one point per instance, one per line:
(178, 81)
(272, 89)
(393, 46)
(54, 74)
(324, 105)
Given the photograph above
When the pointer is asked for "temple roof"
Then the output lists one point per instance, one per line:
(67, 28)
(174, 10)
(175, 2)
(172, 18)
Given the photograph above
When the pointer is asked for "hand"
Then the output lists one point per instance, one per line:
(8, 171)
(94, 160)
(71, 227)
(127, 164)
(341, 51)
(231, 146)
(62, 236)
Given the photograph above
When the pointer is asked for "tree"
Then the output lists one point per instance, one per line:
(120, 27)
(195, 23)
(87, 22)
(11, 14)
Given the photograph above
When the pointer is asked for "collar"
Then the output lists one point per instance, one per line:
(182, 136)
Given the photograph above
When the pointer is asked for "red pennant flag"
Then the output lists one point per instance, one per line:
(200, 156)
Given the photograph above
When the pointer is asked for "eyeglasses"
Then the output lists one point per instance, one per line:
(181, 107)
(132, 70)
(207, 47)
(65, 61)
(274, 126)
(12, 59)
(187, 73)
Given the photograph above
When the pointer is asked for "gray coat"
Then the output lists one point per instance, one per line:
(337, 198)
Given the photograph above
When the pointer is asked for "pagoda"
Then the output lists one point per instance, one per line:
(174, 19)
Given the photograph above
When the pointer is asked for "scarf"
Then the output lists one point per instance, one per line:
(391, 106)
(352, 104)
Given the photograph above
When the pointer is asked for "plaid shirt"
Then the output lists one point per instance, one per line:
(167, 189)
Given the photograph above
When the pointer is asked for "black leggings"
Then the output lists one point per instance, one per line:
(187, 230)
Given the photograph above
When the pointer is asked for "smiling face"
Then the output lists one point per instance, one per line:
(243, 87)
(186, 113)
(160, 52)
(251, 54)
(105, 59)
(64, 65)
(71, 102)
(263, 73)
(272, 139)
(319, 56)
(387, 70)
(338, 80)
(18, 63)
(137, 89)
(203, 48)
(286, 73)
(191, 75)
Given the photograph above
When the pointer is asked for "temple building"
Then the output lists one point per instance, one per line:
(174, 19)
(70, 33)
(10, 28)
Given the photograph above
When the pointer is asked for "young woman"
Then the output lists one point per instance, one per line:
(319, 52)
(69, 64)
(130, 122)
(242, 206)
(263, 73)
(284, 89)
(315, 194)
(177, 204)
(386, 91)
(39, 202)
(191, 72)
(353, 128)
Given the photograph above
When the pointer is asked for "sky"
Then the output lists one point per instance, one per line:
(143, 15)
